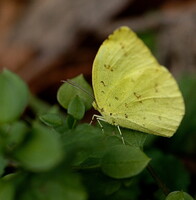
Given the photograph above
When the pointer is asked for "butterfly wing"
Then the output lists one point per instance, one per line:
(119, 55)
(132, 90)
(152, 103)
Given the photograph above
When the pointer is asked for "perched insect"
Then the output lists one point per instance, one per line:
(132, 89)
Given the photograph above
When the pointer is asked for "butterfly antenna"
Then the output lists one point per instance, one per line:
(78, 87)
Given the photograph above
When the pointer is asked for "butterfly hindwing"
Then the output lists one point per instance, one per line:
(151, 104)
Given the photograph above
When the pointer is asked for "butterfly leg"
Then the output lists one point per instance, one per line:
(100, 125)
(98, 118)
(93, 119)
(123, 141)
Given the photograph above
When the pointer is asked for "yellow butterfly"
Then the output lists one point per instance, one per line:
(132, 89)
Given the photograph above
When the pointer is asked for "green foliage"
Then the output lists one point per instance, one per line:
(76, 108)
(53, 185)
(14, 96)
(177, 195)
(169, 170)
(55, 157)
(186, 133)
(123, 161)
(3, 164)
(52, 119)
(7, 190)
(149, 38)
(41, 151)
(75, 87)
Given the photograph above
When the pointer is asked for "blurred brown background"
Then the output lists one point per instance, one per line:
(49, 41)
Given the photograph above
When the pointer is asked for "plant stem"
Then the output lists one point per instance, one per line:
(159, 182)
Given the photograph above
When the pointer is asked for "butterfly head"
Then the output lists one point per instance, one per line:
(108, 117)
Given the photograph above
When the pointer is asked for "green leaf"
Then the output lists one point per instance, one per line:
(16, 133)
(51, 119)
(179, 195)
(76, 108)
(3, 132)
(123, 161)
(134, 138)
(86, 145)
(41, 151)
(70, 121)
(12, 135)
(67, 92)
(14, 96)
(83, 136)
(7, 190)
(54, 186)
(131, 137)
(100, 186)
(89, 163)
(60, 123)
(3, 164)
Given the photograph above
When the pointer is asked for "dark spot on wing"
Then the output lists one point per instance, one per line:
(155, 86)
(125, 54)
(137, 95)
(110, 114)
(122, 45)
(103, 83)
(116, 98)
(159, 117)
(113, 122)
(109, 67)
(126, 116)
